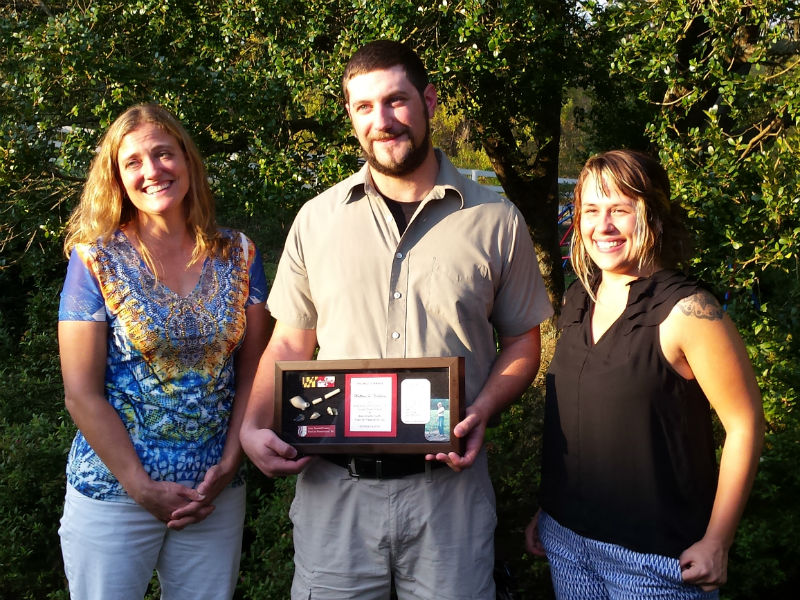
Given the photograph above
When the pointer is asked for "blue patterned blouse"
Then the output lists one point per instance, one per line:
(170, 367)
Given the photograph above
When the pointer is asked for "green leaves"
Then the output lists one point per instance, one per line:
(724, 78)
(711, 86)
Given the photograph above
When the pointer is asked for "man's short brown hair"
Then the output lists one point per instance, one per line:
(385, 54)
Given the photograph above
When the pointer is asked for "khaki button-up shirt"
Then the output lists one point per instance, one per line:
(464, 267)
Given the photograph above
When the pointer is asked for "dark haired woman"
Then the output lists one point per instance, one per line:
(632, 504)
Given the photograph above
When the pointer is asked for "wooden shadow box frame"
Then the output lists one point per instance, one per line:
(370, 406)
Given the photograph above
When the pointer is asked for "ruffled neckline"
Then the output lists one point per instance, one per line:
(650, 300)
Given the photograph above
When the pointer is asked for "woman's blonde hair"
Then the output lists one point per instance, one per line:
(660, 237)
(104, 206)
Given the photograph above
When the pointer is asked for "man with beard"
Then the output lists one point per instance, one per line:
(406, 258)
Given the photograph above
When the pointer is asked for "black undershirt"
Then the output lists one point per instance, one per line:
(401, 211)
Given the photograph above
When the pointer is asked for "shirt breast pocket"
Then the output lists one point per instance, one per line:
(463, 292)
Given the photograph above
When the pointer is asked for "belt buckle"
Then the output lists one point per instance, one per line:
(352, 470)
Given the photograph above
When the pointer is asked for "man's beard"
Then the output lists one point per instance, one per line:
(408, 163)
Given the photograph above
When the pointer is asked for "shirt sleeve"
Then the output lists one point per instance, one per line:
(521, 302)
(81, 299)
(258, 280)
(290, 299)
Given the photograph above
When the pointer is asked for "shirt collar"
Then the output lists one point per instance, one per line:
(447, 180)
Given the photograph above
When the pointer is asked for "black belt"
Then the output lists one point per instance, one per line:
(384, 466)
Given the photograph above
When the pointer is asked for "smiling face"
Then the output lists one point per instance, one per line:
(153, 171)
(391, 120)
(609, 228)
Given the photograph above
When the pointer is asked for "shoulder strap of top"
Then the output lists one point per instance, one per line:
(245, 246)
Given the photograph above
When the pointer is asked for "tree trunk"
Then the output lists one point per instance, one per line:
(532, 184)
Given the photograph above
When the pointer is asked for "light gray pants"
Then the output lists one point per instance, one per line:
(435, 535)
(111, 548)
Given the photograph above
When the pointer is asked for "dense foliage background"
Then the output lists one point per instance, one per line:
(712, 86)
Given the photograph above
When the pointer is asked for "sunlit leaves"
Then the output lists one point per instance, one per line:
(725, 79)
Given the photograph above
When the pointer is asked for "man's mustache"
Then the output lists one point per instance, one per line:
(388, 135)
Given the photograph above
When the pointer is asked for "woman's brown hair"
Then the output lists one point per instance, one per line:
(661, 239)
(104, 206)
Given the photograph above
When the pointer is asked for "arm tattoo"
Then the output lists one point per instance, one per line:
(701, 305)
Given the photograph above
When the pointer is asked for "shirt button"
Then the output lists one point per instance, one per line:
(399, 255)
(395, 335)
(397, 295)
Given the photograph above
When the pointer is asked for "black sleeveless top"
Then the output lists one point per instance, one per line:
(628, 452)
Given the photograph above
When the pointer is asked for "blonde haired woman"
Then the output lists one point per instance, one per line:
(632, 505)
(161, 312)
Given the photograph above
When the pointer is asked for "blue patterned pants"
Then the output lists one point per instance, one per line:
(585, 569)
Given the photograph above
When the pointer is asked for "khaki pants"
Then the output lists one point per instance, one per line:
(433, 534)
